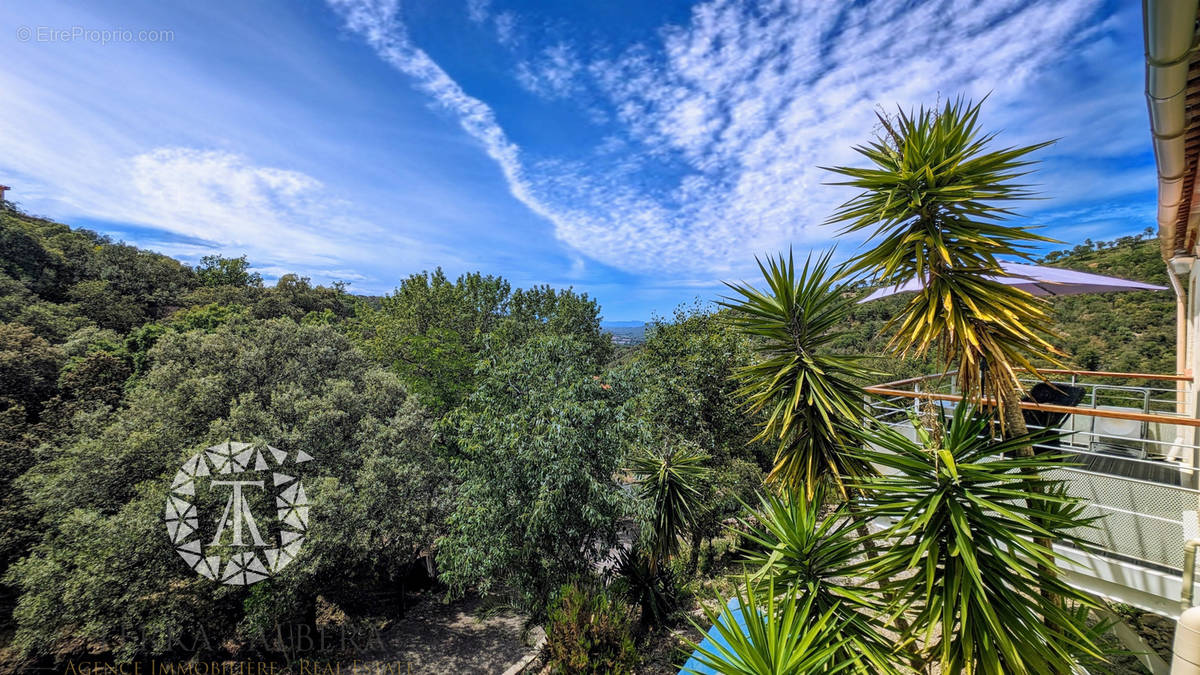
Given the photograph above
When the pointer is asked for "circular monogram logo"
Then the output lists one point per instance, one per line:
(237, 483)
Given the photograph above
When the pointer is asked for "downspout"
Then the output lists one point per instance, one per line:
(1181, 334)
(1170, 27)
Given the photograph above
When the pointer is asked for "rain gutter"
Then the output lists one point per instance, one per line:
(1170, 33)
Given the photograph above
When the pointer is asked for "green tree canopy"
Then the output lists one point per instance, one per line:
(434, 332)
(105, 564)
(216, 270)
(537, 448)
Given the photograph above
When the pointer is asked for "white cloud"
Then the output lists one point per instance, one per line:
(477, 10)
(376, 21)
(134, 143)
(506, 29)
(196, 202)
(221, 196)
(724, 124)
(552, 74)
(286, 221)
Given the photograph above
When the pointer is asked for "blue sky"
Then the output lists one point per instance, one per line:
(639, 151)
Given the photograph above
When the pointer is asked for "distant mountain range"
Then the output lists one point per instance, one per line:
(625, 332)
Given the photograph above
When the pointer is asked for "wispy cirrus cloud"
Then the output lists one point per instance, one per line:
(477, 10)
(504, 23)
(378, 23)
(506, 29)
(721, 124)
(553, 73)
(132, 142)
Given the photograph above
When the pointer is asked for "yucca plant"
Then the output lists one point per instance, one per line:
(804, 389)
(970, 540)
(654, 589)
(671, 480)
(796, 547)
(935, 201)
(783, 635)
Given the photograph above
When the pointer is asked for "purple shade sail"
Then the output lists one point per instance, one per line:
(1038, 280)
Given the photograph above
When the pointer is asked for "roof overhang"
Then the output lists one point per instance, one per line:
(1173, 97)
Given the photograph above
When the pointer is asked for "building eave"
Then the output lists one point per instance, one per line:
(1173, 98)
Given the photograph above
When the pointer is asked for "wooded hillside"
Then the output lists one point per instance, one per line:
(461, 416)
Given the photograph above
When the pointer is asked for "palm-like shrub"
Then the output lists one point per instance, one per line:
(804, 388)
(783, 635)
(654, 589)
(795, 547)
(670, 480)
(935, 200)
(983, 585)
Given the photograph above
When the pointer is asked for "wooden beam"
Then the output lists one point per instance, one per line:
(1054, 371)
(1045, 407)
(1132, 376)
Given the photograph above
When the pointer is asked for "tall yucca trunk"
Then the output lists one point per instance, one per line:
(1014, 427)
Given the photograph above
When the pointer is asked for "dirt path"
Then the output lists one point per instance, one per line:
(456, 638)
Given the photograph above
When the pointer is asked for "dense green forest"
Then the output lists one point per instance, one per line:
(461, 418)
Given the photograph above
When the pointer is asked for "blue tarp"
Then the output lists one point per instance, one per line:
(712, 639)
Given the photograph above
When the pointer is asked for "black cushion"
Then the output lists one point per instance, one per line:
(1056, 394)
(1051, 394)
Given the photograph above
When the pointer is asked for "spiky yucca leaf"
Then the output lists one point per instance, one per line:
(794, 546)
(935, 201)
(653, 588)
(805, 390)
(670, 479)
(785, 636)
(968, 535)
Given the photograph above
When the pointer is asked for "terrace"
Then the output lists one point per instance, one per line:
(1131, 440)
(1133, 455)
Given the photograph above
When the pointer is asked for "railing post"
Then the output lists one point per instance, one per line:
(1195, 477)
(1189, 574)
(1145, 409)
(1092, 421)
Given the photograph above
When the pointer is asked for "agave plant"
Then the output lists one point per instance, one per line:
(783, 635)
(983, 585)
(794, 546)
(670, 480)
(804, 388)
(935, 201)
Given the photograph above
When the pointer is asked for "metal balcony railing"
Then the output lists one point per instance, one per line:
(1134, 458)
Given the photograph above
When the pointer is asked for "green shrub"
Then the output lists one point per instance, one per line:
(535, 449)
(589, 632)
(655, 589)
